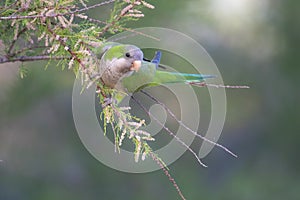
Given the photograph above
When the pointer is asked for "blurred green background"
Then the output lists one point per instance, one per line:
(252, 42)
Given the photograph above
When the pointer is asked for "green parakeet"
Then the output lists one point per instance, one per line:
(124, 68)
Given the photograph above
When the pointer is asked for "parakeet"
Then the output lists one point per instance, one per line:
(123, 67)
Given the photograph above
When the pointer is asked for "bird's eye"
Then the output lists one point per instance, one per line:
(127, 55)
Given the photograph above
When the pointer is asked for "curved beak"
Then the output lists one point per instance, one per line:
(136, 65)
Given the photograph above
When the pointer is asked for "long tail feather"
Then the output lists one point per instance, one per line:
(193, 77)
(175, 77)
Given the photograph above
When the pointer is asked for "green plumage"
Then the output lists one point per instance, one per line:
(148, 75)
(115, 57)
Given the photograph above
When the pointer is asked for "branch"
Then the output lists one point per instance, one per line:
(31, 58)
(66, 47)
(14, 41)
(160, 164)
(169, 131)
(10, 6)
(185, 126)
(123, 12)
(123, 28)
(27, 49)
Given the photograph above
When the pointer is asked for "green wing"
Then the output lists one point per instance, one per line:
(148, 76)
(140, 79)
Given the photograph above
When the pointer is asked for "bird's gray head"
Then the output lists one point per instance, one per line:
(130, 60)
(120, 61)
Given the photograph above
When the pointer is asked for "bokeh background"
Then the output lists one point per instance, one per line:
(253, 42)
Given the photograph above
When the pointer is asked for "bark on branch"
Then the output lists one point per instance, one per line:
(31, 58)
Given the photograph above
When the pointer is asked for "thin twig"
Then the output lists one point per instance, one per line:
(123, 12)
(161, 165)
(27, 48)
(8, 7)
(203, 84)
(115, 135)
(123, 28)
(93, 6)
(169, 131)
(57, 14)
(14, 41)
(185, 126)
(66, 47)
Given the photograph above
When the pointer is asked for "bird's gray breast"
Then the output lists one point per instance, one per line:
(113, 71)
